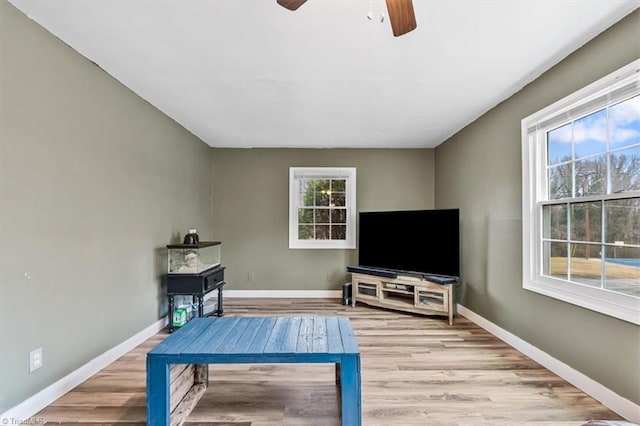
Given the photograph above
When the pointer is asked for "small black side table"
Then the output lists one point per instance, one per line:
(196, 285)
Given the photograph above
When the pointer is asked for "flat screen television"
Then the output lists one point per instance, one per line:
(415, 242)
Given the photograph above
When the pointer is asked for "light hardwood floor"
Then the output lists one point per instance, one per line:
(416, 370)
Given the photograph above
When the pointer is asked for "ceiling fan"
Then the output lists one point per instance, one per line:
(400, 13)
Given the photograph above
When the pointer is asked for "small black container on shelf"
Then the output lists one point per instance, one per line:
(191, 237)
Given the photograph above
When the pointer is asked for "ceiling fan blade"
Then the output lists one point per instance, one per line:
(401, 15)
(291, 4)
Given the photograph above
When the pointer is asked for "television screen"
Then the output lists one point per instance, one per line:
(423, 242)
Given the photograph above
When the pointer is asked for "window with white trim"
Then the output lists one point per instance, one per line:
(322, 207)
(581, 197)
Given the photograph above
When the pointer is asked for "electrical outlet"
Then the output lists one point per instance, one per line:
(251, 276)
(35, 359)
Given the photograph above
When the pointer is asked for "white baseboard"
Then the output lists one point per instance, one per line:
(311, 294)
(28, 408)
(625, 408)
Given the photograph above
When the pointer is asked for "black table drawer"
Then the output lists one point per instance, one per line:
(195, 284)
(212, 281)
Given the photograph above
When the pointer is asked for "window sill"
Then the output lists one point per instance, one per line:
(321, 244)
(626, 308)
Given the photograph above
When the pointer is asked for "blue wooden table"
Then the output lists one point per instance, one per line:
(257, 340)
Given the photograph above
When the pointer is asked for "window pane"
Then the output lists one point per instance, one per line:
(338, 216)
(586, 221)
(338, 232)
(624, 122)
(586, 265)
(625, 170)
(322, 185)
(322, 199)
(591, 176)
(322, 215)
(305, 232)
(338, 185)
(590, 134)
(306, 192)
(560, 182)
(322, 232)
(337, 200)
(305, 215)
(622, 221)
(555, 260)
(555, 222)
(559, 144)
(622, 270)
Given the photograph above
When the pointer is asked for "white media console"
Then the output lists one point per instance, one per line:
(403, 293)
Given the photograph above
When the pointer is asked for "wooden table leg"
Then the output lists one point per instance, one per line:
(220, 308)
(157, 392)
(200, 306)
(351, 390)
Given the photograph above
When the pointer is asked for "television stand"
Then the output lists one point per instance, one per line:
(410, 294)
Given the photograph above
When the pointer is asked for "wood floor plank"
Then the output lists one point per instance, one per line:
(416, 370)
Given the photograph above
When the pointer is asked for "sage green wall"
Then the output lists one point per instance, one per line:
(251, 210)
(94, 182)
(479, 170)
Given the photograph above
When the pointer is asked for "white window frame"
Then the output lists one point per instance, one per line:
(298, 173)
(619, 85)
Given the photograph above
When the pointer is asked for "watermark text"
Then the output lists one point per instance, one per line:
(15, 421)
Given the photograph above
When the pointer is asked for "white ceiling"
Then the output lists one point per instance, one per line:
(249, 73)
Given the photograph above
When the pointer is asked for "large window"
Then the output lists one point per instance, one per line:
(322, 203)
(581, 197)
